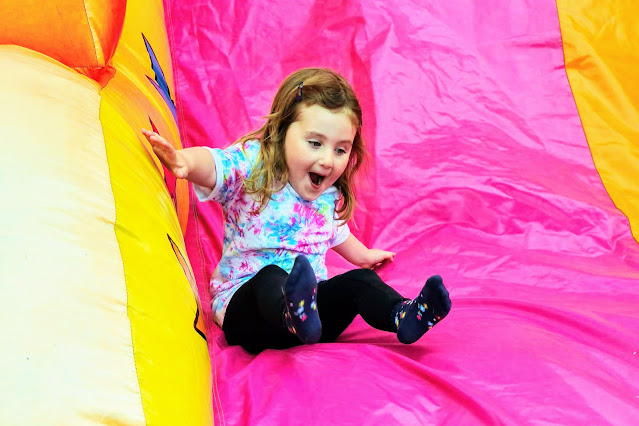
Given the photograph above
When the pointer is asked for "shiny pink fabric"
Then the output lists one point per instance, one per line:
(479, 172)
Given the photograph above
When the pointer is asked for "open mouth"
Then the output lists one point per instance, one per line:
(316, 179)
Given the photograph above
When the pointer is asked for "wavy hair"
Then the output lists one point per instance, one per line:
(322, 87)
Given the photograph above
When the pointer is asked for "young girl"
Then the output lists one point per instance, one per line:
(287, 193)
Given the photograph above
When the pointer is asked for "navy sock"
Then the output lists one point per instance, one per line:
(415, 317)
(300, 291)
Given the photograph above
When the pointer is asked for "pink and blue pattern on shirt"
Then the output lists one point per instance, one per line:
(288, 226)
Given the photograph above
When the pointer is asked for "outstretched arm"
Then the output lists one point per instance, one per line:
(193, 164)
(358, 254)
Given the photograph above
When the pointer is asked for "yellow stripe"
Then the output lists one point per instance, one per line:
(601, 46)
(171, 356)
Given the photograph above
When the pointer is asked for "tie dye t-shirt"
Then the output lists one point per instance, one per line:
(288, 226)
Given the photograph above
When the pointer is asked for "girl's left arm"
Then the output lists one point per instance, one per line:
(358, 254)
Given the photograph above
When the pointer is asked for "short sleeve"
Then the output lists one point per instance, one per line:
(232, 166)
(340, 235)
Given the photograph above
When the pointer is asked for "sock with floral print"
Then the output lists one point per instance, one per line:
(415, 317)
(300, 291)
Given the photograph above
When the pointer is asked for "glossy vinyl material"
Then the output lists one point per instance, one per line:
(480, 171)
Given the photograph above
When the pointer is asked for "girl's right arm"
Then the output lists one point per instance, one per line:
(193, 164)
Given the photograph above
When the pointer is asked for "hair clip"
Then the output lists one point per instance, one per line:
(299, 96)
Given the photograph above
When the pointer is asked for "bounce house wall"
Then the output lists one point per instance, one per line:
(108, 328)
(63, 286)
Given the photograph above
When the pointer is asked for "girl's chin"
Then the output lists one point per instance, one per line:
(307, 190)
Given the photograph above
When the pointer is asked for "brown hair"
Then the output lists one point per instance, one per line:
(322, 87)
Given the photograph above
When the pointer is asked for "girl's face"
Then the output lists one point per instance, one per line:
(317, 147)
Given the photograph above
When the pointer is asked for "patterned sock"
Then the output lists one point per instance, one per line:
(300, 290)
(415, 317)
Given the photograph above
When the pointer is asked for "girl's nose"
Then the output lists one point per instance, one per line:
(327, 160)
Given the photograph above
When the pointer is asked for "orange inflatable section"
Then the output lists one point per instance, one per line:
(81, 34)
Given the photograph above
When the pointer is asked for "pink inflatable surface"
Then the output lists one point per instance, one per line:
(479, 172)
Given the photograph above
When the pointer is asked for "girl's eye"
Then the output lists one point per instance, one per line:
(341, 151)
(315, 144)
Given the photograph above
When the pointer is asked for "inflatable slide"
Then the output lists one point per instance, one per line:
(504, 158)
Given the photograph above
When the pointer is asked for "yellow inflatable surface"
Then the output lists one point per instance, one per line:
(601, 45)
(101, 319)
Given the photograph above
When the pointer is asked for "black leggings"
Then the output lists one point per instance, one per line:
(254, 317)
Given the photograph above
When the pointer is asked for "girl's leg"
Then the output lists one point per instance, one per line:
(363, 292)
(360, 291)
(254, 317)
(417, 316)
(274, 309)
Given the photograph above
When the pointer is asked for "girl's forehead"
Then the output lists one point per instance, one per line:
(318, 113)
(338, 124)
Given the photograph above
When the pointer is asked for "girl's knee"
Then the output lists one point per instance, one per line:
(363, 274)
(272, 268)
(272, 271)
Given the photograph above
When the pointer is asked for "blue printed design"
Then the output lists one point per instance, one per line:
(160, 82)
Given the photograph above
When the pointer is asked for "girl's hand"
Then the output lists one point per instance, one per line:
(169, 156)
(377, 258)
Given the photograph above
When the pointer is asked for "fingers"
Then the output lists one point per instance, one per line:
(380, 264)
(167, 154)
(164, 150)
(156, 140)
(151, 135)
(388, 255)
(382, 259)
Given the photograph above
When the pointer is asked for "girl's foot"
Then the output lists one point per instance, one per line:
(416, 317)
(300, 291)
